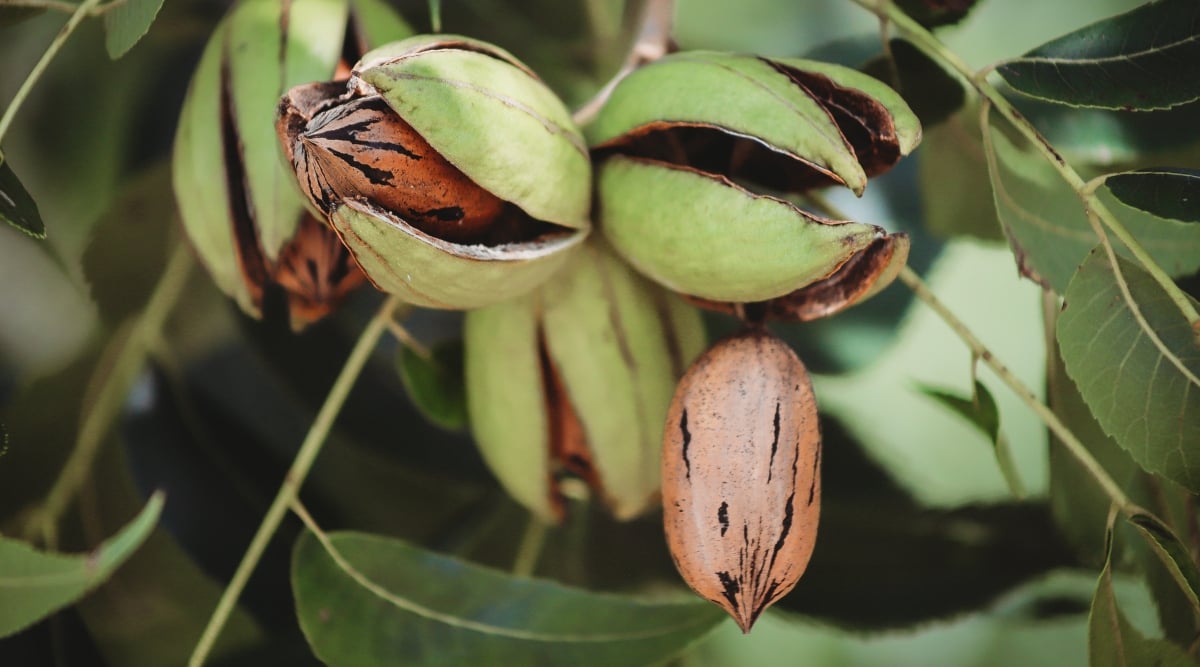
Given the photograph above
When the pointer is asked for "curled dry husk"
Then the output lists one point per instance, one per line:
(690, 149)
(575, 378)
(454, 175)
(238, 202)
(741, 474)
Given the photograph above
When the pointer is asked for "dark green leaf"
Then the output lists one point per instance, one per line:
(1048, 229)
(1174, 598)
(920, 564)
(157, 577)
(37, 583)
(126, 23)
(377, 23)
(39, 438)
(931, 92)
(17, 208)
(915, 564)
(1134, 358)
(14, 15)
(1175, 557)
(1113, 642)
(1138, 60)
(436, 384)
(1105, 136)
(934, 13)
(981, 411)
(1166, 193)
(380, 601)
(1079, 505)
(130, 245)
(955, 192)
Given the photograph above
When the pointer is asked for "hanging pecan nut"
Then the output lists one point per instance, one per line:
(455, 177)
(741, 474)
(362, 149)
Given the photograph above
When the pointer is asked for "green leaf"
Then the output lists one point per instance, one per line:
(1113, 642)
(130, 245)
(1078, 504)
(17, 208)
(932, 93)
(36, 583)
(436, 384)
(1134, 358)
(1160, 563)
(366, 600)
(1105, 136)
(956, 195)
(1167, 193)
(127, 22)
(1174, 555)
(377, 22)
(1136, 60)
(980, 410)
(1048, 229)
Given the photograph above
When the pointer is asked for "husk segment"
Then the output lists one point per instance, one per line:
(238, 201)
(591, 360)
(427, 271)
(489, 116)
(705, 236)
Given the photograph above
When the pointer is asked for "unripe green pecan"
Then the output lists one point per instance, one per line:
(691, 147)
(453, 174)
(861, 277)
(238, 201)
(576, 378)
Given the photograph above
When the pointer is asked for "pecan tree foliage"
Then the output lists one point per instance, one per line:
(465, 254)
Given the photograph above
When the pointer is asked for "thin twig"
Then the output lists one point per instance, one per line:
(435, 16)
(1064, 434)
(530, 548)
(408, 340)
(305, 457)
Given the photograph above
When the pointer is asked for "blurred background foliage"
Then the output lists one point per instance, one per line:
(924, 558)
